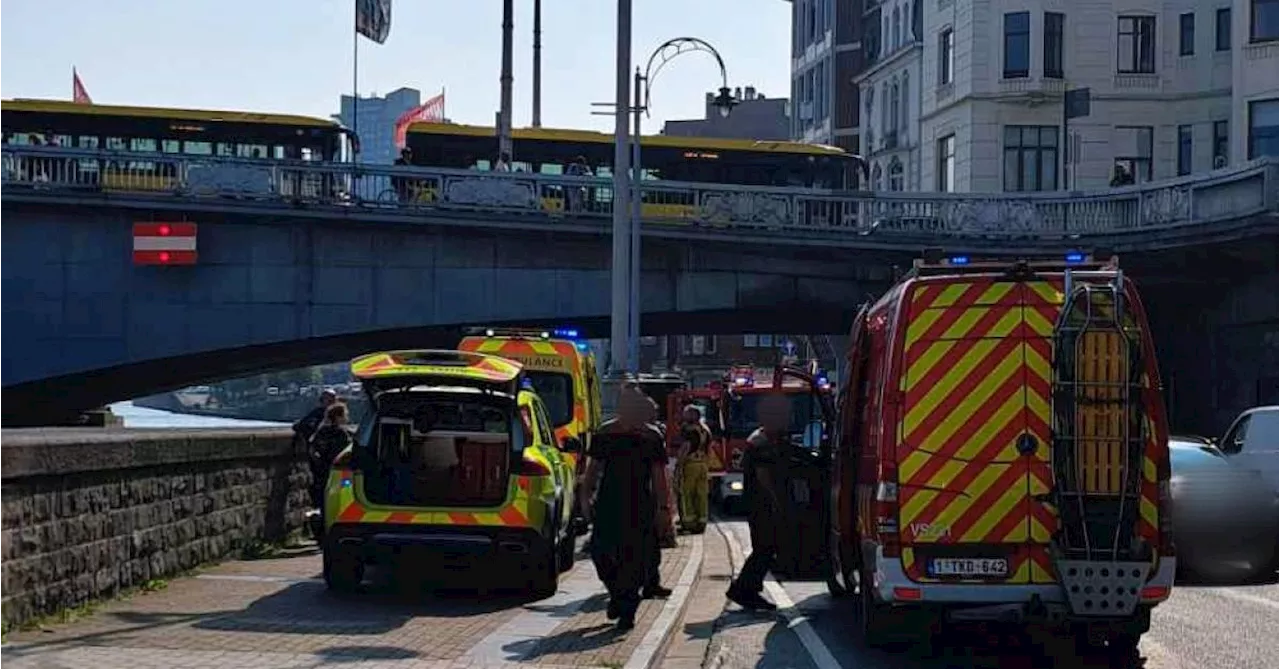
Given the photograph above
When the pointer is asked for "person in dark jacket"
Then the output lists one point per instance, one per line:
(306, 427)
(330, 439)
(761, 468)
(622, 493)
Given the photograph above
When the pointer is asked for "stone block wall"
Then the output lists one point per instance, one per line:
(90, 512)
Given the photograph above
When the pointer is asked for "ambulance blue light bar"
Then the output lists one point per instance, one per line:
(959, 260)
(1076, 257)
(568, 333)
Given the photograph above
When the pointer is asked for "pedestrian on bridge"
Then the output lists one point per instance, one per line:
(621, 497)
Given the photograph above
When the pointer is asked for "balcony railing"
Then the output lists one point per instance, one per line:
(1197, 204)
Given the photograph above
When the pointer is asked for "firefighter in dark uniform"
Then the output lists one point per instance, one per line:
(762, 474)
(622, 494)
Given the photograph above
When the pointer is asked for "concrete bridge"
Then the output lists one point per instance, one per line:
(302, 263)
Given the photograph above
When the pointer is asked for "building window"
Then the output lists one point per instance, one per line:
(946, 56)
(1053, 38)
(820, 97)
(895, 175)
(1136, 45)
(884, 108)
(1187, 34)
(947, 164)
(1264, 21)
(697, 344)
(895, 37)
(895, 104)
(1030, 157)
(877, 178)
(1221, 144)
(1222, 32)
(749, 341)
(1133, 147)
(906, 104)
(1262, 128)
(1184, 149)
(1017, 45)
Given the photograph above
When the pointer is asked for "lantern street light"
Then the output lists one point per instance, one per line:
(724, 102)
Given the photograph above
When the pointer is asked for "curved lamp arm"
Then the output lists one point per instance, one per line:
(669, 50)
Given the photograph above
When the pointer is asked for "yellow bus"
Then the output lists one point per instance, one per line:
(186, 132)
(672, 158)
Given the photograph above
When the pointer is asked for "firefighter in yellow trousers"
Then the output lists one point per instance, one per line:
(692, 471)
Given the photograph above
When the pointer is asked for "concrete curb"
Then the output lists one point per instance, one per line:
(796, 621)
(649, 652)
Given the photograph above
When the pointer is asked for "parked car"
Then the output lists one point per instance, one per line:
(1251, 442)
(1222, 512)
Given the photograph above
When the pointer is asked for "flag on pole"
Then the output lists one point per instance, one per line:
(373, 19)
(78, 92)
(431, 110)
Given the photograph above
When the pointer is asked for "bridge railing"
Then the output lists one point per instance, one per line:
(1199, 200)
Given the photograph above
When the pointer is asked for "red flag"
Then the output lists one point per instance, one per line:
(78, 93)
(431, 110)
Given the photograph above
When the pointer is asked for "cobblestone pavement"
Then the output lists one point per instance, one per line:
(276, 612)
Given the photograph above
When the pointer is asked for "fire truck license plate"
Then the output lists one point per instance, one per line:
(984, 567)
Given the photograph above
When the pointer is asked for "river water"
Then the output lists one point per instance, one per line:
(142, 417)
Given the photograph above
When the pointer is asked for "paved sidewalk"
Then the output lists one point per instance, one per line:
(276, 612)
(719, 635)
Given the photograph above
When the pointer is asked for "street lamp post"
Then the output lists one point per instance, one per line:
(619, 351)
(724, 101)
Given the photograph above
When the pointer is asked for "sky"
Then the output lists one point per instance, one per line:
(295, 56)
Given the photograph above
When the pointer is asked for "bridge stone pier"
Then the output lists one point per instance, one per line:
(88, 513)
(310, 262)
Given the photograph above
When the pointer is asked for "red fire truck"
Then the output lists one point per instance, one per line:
(729, 407)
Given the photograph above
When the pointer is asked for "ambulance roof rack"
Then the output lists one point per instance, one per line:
(935, 262)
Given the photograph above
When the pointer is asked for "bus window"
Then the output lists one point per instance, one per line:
(226, 149)
(142, 144)
(170, 146)
(117, 144)
(251, 151)
(198, 148)
(551, 168)
(87, 142)
(277, 152)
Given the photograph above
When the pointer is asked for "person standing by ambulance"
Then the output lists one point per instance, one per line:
(767, 449)
(692, 471)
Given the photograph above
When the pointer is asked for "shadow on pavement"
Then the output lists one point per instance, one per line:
(958, 646)
(569, 641)
(339, 654)
(308, 608)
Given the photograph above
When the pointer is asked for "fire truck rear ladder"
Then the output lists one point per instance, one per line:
(1098, 443)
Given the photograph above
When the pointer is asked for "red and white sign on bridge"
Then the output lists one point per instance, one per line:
(164, 243)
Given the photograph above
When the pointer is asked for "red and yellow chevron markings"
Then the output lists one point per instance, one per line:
(978, 370)
(518, 511)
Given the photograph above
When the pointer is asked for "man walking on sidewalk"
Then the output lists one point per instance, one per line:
(766, 450)
(626, 463)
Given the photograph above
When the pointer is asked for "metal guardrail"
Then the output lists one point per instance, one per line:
(1200, 200)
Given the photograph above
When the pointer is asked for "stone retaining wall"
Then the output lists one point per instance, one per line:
(89, 512)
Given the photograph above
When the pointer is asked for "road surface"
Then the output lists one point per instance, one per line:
(1199, 626)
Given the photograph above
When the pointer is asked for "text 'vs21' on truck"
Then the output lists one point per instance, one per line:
(1002, 453)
